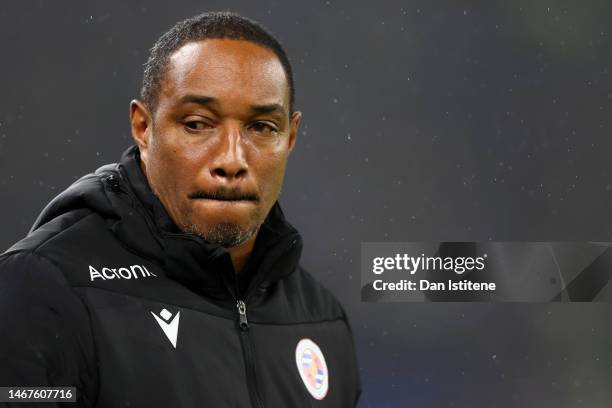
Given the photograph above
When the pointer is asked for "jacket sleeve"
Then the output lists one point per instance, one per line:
(45, 329)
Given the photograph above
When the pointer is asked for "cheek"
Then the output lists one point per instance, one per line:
(168, 163)
(272, 173)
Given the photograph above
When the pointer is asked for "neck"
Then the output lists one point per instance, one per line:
(240, 254)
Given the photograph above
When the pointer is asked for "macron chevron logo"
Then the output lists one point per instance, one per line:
(169, 324)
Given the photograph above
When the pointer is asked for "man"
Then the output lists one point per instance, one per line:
(171, 278)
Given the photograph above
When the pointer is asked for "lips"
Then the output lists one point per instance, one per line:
(226, 200)
(222, 199)
(224, 195)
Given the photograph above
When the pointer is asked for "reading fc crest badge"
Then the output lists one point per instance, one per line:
(312, 368)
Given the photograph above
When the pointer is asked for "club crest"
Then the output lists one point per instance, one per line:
(312, 368)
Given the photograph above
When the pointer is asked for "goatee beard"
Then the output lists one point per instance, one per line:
(225, 234)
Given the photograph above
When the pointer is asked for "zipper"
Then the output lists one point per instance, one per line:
(247, 354)
(245, 338)
(243, 323)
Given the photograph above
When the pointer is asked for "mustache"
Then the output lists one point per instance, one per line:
(224, 194)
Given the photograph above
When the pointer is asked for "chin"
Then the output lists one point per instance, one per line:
(226, 233)
(211, 217)
(239, 217)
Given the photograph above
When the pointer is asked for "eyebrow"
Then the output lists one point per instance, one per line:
(198, 99)
(210, 101)
(270, 108)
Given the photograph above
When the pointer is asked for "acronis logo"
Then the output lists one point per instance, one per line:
(129, 272)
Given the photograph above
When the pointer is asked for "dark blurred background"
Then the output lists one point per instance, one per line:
(442, 121)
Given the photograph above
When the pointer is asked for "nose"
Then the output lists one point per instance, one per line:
(229, 164)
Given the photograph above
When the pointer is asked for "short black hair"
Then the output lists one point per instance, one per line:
(215, 24)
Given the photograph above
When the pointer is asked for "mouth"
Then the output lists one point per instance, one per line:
(226, 201)
(225, 196)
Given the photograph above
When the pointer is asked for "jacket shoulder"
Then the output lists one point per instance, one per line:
(68, 242)
(301, 298)
(49, 231)
(34, 262)
(325, 298)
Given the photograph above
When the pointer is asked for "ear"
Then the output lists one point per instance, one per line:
(293, 130)
(141, 121)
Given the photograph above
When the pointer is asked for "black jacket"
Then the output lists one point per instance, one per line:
(105, 294)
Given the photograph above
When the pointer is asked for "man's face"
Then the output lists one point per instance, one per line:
(216, 148)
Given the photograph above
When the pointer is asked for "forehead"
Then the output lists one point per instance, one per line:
(234, 71)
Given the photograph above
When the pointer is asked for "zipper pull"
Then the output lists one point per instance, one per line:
(242, 321)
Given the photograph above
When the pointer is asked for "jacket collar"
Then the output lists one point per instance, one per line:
(145, 226)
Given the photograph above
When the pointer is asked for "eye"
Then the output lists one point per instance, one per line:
(263, 127)
(196, 125)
